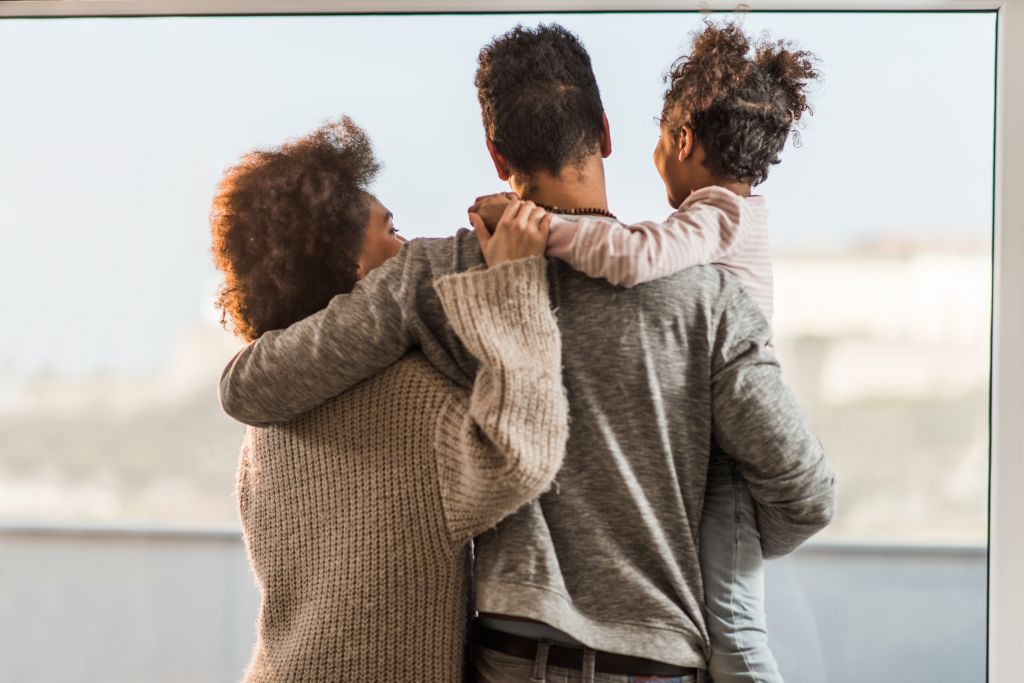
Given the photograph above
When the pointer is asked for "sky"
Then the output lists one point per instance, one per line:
(114, 132)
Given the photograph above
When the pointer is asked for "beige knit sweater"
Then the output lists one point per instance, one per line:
(357, 515)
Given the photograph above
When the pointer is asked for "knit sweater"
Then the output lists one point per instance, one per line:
(357, 514)
(654, 374)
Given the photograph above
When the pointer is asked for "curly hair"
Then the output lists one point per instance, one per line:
(540, 101)
(741, 106)
(288, 224)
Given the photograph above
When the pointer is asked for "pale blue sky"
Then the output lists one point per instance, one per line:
(113, 133)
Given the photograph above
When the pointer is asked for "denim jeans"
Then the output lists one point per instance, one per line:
(733, 571)
(491, 666)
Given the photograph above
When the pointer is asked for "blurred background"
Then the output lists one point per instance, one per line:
(119, 541)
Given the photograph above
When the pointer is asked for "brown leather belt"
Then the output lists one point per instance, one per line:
(572, 658)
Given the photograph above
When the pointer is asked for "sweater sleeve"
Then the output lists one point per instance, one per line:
(758, 422)
(705, 229)
(287, 372)
(501, 445)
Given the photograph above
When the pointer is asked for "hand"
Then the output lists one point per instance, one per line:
(490, 207)
(522, 231)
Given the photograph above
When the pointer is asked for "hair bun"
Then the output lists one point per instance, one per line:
(791, 70)
(716, 66)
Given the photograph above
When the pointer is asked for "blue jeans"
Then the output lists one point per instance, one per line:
(733, 570)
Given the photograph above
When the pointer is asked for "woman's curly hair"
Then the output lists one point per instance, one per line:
(741, 106)
(288, 225)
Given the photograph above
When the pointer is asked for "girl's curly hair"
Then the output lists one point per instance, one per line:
(741, 106)
(288, 225)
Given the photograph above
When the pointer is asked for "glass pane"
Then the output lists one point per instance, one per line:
(114, 134)
(882, 237)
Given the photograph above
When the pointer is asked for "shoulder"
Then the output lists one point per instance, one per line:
(415, 369)
(755, 210)
(710, 301)
(712, 284)
(705, 284)
(443, 255)
(689, 301)
(410, 380)
(405, 397)
(715, 196)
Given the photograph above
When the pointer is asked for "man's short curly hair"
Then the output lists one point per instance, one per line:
(288, 225)
(741, 106)
(539, 98)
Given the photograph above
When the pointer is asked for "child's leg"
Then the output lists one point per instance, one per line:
(733, 571)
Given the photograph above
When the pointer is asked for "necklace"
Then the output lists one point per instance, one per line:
(586, 211)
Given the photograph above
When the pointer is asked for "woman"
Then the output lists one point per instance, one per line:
(357, 515)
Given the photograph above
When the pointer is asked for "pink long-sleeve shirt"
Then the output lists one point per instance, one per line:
(713, 225)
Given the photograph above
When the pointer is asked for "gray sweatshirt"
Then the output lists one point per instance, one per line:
(657, 377)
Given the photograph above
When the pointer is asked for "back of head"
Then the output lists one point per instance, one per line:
(288, 225)
(540, 101)
(741, 99)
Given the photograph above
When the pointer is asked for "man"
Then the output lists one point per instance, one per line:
(600, 574)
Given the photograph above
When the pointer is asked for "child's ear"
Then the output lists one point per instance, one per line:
(685, 143)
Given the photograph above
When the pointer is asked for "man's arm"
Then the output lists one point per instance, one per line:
(758, 422)
(286, 372)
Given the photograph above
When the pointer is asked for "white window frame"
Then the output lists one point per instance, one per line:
(1006, 542)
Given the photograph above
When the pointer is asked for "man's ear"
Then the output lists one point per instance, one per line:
(360, 271)
(606, 137)
(685, 143)
(500, 165)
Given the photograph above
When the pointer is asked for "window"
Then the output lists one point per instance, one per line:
(882, 241)
(115, 132)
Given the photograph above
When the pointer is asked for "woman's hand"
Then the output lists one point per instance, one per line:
(491, 207)
(522, 231)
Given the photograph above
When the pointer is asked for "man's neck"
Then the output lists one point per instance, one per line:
(573, 188)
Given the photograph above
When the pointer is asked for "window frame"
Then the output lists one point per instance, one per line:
(1006, 482)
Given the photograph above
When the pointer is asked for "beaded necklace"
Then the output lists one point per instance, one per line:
(586, 211)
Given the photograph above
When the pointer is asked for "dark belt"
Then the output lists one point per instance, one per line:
(572, 658)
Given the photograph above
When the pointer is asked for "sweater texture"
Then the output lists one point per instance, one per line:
(357, 514)
(655, 376)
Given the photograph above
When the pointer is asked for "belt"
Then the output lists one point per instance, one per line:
(572, 658)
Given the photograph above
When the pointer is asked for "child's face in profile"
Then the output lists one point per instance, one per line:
(670, 158)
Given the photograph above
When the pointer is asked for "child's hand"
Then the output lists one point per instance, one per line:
(522, 231)
(490, 207)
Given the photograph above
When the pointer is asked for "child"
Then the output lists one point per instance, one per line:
(725, 119)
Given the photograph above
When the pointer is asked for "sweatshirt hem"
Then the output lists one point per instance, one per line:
(666, 644)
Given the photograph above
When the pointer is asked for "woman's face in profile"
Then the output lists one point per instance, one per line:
(382, 240)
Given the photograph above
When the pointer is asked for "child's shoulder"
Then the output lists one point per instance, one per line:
(714, 194)
(724, 200)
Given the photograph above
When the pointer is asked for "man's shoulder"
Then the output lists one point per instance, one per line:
(442, 255)
(717, 289)
(705, 283)
(695, 300)
(708, 276)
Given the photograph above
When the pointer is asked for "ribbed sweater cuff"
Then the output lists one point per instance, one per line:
(504, 309)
